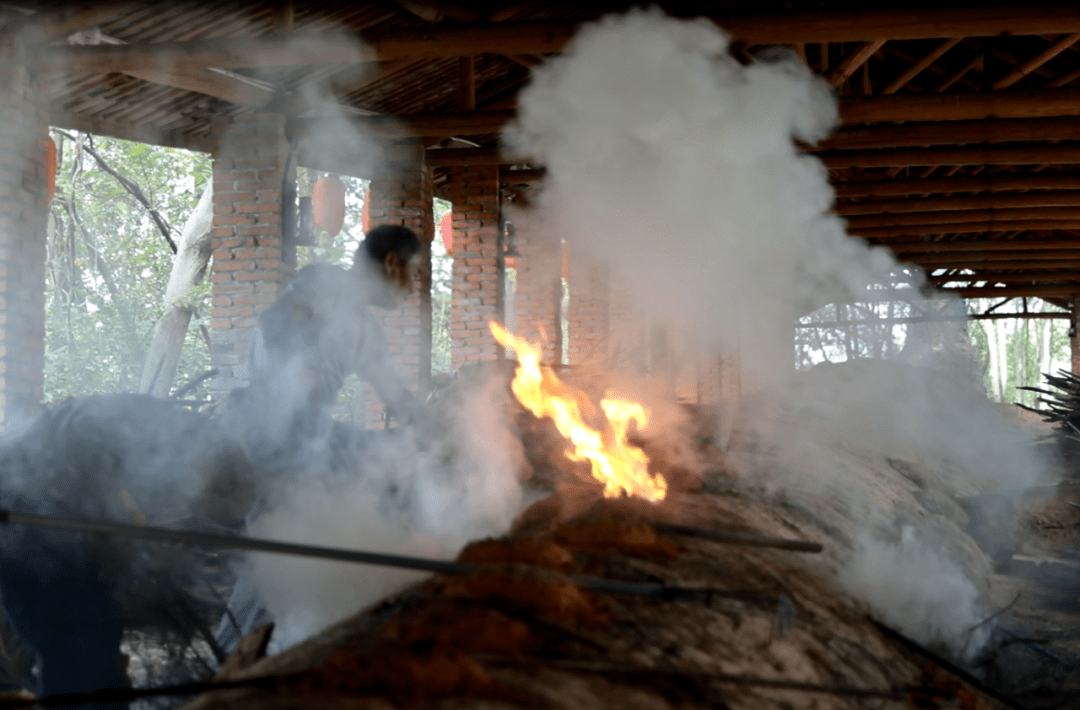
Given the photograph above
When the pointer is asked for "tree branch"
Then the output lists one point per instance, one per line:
(135, 191)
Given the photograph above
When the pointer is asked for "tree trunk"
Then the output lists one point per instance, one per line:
(189, 268)
(996, 388)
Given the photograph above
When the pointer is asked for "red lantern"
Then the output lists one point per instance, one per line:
(365, 213)
(447, 229)
(50, 166)
(328, 204)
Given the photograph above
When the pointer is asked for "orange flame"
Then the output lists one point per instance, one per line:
(616, 463)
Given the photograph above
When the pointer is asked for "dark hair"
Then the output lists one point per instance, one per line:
(388, 239)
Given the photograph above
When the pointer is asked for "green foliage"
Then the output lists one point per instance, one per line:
(108, 264)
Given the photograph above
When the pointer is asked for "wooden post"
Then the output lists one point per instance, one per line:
(1074, 339)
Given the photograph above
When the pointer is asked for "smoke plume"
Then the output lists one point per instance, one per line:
(677, 166)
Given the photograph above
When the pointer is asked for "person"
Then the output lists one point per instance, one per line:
(318, 331)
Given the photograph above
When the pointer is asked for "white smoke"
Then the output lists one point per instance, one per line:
(676, 165)
(407, 497)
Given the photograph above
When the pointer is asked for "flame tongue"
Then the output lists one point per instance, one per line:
(616, 463)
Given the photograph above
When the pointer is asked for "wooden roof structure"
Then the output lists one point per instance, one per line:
(960, 148)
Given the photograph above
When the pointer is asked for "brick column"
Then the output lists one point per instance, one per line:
(539, 287)
(401, 193)
(474, 192)
(248, 269)
(588, 316)
(23, 213)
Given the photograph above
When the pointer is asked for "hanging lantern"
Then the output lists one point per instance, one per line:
(328, 204)
(446, 226)
(50, 166)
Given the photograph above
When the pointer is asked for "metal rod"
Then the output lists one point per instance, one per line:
(185, 537)
(735, 537)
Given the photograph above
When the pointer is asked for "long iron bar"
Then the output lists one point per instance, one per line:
(736, 537)
(235, 542)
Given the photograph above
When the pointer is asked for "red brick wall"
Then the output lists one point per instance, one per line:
(401, 193)
(474, 193)
(539, 288)
(248, 270)
(588, 315)
(23, 214)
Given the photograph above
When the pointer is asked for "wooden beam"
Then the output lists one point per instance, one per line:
(961, 107)
(989, 225)
(1037, 61)
(952, 133)
(417, 125)
(984, 245)
(849, 64)
(284, 16)
(944, 219)
(915, 69)
(865, 24)
(1013, 291)
(1064, 79)
(970, 155)
(1013, 277)
(962, 261)
(448, 157)
(992, 258)
(211, 83)
(979, 183)
(170, 138)
(542, 37)
(1060, 198)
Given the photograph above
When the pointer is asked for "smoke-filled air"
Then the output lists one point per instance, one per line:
(678, 168)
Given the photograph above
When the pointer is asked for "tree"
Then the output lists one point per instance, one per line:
(108, 261)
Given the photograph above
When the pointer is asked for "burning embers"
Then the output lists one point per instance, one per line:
(619, 465)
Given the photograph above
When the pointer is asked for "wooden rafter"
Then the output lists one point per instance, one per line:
(990, 245)
(1037, 61)
(865, 25)
(980, 183)
(415, 126)
(72, 17)
(966, 202)
(988, 216)
(849, 64)
(926, 60)
(978, 62)
(952, 133)
(961, 106)
(965, 260)
(975, 227)
(971, 155)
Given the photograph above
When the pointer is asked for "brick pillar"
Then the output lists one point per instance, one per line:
(588, 316)
(401, 193)
(539, 286)
(23, 213)
(474, 192)
(248, 269)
